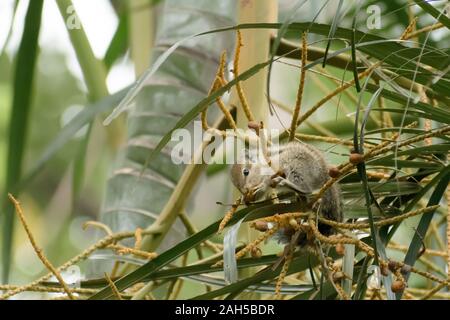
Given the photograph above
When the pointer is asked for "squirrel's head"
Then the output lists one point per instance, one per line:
(252, 177)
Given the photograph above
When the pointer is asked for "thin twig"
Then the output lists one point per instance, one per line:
(102, 243)
(347, 167)
(218, 82)
(301, 87)
(49, 289)
(125, 250)
(38, 250)
(229, 214)
(113, 287)
(346, 85)
(240, 91)
(99, 225)
(383, 222)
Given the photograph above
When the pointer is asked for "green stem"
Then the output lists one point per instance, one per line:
(94, 72)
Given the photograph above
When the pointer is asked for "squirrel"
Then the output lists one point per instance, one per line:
(294, 166)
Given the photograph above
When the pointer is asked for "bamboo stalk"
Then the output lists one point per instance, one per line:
(256, 47)
(141, 35)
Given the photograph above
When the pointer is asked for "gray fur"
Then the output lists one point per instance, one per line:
(303, 165)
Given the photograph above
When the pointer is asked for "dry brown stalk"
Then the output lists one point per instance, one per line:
(229, 215)
(36, 248)
(301, 87)
(240, 91)
(113, 287)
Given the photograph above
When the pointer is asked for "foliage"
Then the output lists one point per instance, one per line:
(382, 94)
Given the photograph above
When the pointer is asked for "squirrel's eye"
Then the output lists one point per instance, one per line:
(246, 172)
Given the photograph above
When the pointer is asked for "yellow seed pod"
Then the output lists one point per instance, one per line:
(293, 223)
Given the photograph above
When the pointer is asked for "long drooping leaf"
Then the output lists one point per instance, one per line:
(297, 265)
(18, 124)
(67, 132)
(361, 280)
(405, 163)
(327, 292)
(424, 107)
(256, 211)
(203, 104)
(420, 151)
(389, 51)
(333, 28)
(415, 114)
(94, 74)
(171, 273)
(353, 48)
(442, 175)
(187, 118)
(358, 145)
(118, 46)
(417, 241)
(350, 190)
(440, 16)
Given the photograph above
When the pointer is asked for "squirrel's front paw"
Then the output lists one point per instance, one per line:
(276, 181)
(277, 178)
